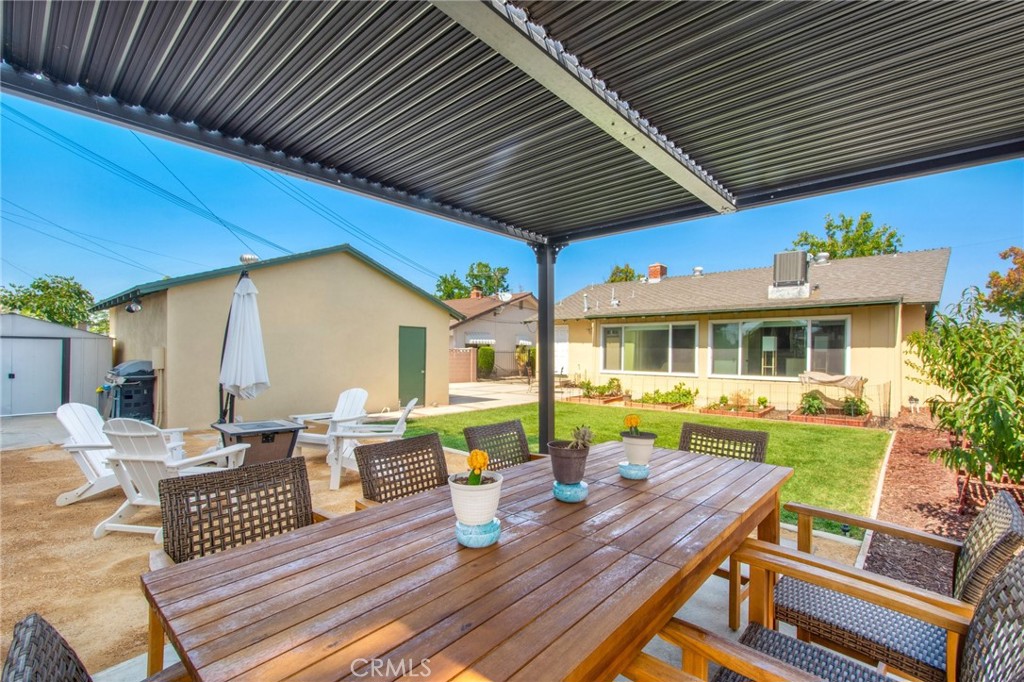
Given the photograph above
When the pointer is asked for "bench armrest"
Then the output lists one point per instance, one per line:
(809, 511)
(363, 503)
(234, 453)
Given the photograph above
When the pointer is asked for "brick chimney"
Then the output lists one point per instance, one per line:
(656, 272)
(476, 292)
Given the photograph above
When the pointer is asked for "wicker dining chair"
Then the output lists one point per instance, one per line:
(39, 653)
(504, 442)
(738, 444)
(878, 634)
(401, 468)
(718, 440)
(991, 636)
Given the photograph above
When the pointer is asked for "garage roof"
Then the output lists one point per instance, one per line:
(547, 121)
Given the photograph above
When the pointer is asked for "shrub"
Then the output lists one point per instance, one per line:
(723, 400)
(854, 407)
(739, 399)
(678, 395)
(484, 361)
(812, 404)
(762, 401)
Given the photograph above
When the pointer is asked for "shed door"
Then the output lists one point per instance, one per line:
(561, 349)
(31, 378)
(412, 364)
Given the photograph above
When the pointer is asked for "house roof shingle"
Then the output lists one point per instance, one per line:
(911, 277)
(475, 307)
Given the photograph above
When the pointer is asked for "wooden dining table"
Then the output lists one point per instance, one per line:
(569, 592)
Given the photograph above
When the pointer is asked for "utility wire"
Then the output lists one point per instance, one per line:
(189, 190)
(79, 246)
(28, 123)
(94, 238)
(12, 265)
(339, 221)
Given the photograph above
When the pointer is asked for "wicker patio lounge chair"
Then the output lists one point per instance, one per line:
(738, 444)
(400, 468)
(878, 635)
(991, 634)
(504, 442)
(39, 653)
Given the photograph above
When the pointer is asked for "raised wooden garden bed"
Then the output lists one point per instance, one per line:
(753, 413)
(597, 400)
(832, 417)
(637, 405)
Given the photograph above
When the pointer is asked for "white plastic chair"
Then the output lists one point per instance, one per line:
(343, 441)
(89, 447)
(140, 459)
(351, 409)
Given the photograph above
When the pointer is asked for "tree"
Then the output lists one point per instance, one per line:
(846, 240)
(55, 298)
(1006, 292)
(622, 274)
(450, 286)
(976, 362)
(490, 280)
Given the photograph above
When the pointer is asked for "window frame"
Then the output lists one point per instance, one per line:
(695, 324)
(808, 320)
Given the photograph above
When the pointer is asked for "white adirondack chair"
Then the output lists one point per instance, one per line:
(140, 459)
(351, 409)
(341, 444)
(89, 446)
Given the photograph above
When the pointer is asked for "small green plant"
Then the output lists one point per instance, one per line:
(762, 401)
(587, 387)
(582, 437)
(812, 404)
(723, 400)
(679, 394)
(854, 407)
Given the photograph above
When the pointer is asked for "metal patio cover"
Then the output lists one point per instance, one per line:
(548, 121)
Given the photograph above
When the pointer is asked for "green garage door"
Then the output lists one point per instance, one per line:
(412, 364)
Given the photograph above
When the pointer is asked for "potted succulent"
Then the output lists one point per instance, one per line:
(638, 445)
(475, 494)
(568, 463)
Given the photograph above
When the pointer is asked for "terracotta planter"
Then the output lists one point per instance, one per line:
(638, 447)
(759, 413)
(831, 418)
(597, 400)
(568, 465)
(475, 505)
(654, 406)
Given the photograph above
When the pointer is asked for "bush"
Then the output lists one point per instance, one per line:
(762, 401)
(812, 404)
(484, 361)
(854, 407)
(678, 395)
(723, 400)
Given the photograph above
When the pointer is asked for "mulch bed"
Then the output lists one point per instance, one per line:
(922, 494)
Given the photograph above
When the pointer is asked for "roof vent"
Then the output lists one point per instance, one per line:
(614, 302)
(821, 258)
(790, 269)
(586, 307)
(698, 271)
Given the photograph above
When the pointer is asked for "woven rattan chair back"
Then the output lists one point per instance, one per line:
(401, 468)
(992, 649)
(38, 653)
(992, 540)
(207, 513)
(718, 440)
(505, 443)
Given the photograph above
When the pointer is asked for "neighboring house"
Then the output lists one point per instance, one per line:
(756, 330)
(504, 321)
(332, 319)
(45, 364)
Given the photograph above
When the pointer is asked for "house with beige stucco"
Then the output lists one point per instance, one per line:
(756, 331)
(504, 321)
(332, 319)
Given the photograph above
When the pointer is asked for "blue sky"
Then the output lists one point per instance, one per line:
(977, 211)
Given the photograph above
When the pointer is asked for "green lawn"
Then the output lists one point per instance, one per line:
(834, 467)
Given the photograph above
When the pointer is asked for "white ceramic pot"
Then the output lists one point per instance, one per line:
(638, 447)
(475, 505)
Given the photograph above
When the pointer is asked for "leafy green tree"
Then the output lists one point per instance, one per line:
(1006, 292)
(847, 240)
(977, 363)
(490, 280)
(622, 274)
(55, 298)
(450, 286)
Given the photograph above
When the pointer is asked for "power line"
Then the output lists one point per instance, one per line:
(339, 221)
(79, 246)
(12, 265)
(52, 136)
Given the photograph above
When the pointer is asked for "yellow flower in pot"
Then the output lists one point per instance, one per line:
(475, 497)
(638, 446)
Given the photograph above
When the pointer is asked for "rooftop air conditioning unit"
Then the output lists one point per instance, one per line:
(790, 269)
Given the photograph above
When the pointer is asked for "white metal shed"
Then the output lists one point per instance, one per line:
(43, 364)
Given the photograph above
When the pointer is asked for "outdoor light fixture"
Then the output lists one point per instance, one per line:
(133, 307)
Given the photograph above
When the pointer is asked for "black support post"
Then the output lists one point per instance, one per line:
(546, 254)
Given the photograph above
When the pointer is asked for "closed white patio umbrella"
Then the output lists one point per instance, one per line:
(243, 367)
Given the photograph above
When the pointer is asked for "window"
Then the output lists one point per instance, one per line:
(778, 348)
(650, 348)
